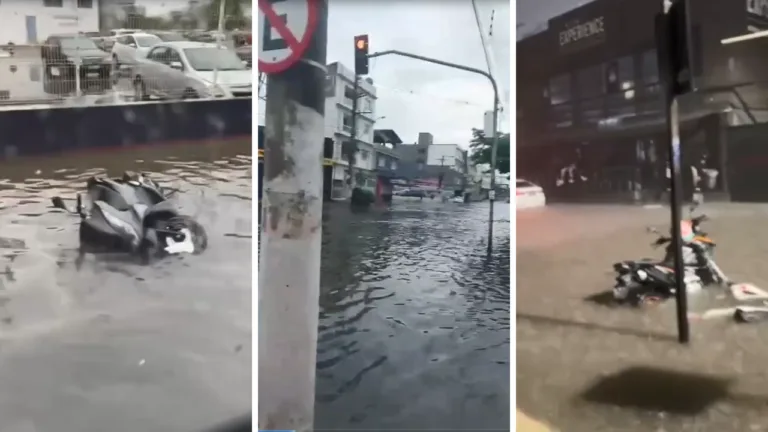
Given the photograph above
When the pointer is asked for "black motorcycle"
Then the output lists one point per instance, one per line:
(133, 215)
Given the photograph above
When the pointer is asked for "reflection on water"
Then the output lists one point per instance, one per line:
(187, 317)
(414, 324)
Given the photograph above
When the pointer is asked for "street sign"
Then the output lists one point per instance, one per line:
(286, 30)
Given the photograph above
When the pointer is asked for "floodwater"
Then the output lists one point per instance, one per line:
(414, 325)
(115, 346)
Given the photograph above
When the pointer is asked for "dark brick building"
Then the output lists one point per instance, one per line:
(591, 121)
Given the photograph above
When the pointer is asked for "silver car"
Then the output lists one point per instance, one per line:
(190, 70)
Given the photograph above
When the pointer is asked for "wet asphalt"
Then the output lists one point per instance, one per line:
(115, 346)
(585, 366)
(414, 325)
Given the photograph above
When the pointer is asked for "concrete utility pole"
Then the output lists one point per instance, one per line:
(289, 280)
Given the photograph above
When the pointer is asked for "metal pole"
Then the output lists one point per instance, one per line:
(495, 142)
(492, 192)
(289, 280)
(219, 34)
(675, 203)
(78, 69)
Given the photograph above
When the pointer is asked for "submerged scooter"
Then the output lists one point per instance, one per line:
(646, 281)
(133, 215)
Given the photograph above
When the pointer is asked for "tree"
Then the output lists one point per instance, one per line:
(480, 148)
(234, 15)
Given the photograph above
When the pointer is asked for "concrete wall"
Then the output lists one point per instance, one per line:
(66, 19)
(28, 132)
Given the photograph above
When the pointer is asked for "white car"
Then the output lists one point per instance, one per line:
(128, 47)
(188, 70)
(529, 195)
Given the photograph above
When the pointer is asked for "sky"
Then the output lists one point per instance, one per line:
(416, 96)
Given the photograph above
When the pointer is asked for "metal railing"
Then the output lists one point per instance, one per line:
(116, 70)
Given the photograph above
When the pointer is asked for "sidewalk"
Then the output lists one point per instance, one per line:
(527, 424)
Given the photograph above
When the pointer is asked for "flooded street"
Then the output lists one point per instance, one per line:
(414, 325)
(114, 345)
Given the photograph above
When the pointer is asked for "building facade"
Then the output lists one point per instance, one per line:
(340, 96)
(28, 22)
(590, 106)
(444, 166)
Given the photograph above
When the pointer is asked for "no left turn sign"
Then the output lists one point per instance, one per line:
(286, 30)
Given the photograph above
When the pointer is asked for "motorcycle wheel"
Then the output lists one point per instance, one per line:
(199, 235)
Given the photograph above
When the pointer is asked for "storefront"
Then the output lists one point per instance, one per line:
(592, 128)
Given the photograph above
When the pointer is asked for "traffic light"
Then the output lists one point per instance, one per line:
(361, 55)
(673, 46)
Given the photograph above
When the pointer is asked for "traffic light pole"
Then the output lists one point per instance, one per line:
(289, 280)
(495, 139)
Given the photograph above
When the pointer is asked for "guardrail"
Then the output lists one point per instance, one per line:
(28, 132)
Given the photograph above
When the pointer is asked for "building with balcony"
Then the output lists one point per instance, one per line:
(29, 22)
(340, 97)
(386, 142)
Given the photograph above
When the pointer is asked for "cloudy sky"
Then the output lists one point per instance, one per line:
(421, 97)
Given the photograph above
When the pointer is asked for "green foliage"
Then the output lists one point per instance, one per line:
(480, 148)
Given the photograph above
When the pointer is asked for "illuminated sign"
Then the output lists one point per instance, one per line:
(577, 31)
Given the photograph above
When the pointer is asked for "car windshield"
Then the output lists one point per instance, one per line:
(523, 183)
(171, 37)
(78, 43)
(147, 41)
(208, 59)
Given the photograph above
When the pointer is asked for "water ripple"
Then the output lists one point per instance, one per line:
(409, 304)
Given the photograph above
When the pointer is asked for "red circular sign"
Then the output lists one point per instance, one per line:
(296, 46)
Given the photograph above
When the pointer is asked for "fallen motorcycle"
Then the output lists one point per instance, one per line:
(133, 215)
(647, 281)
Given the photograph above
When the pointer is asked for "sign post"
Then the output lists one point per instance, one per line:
(292, 50)
(672, 46)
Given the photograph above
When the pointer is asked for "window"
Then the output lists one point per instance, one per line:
(53, 3)
(346, 122)
(209, 59)
(560, 89)
(393, 165)
(382, 162)
(366, 129)
(147, 41)
(159, 54)
(367, 105)
(591, 82)
(78, 43)
(591, 111)
(562, 115)
(649, 70)
(85, 4)
(363, 154)
(349, 93)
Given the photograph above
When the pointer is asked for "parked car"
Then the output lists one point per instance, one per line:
(130, 46)
(168, 36)
(185, 70)
(60, 56)
(529, 195)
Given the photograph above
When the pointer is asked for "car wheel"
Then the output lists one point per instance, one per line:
(139, 90)
(190, 94)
